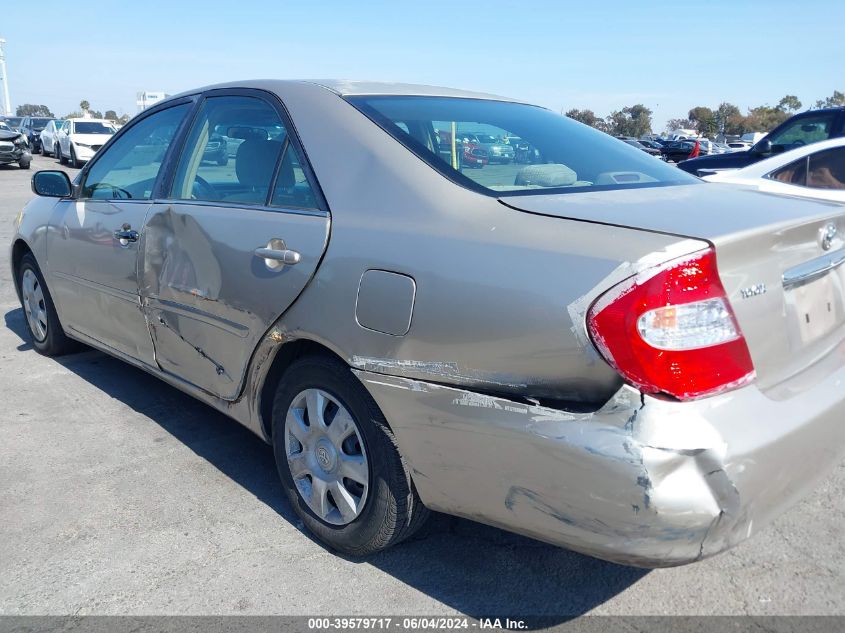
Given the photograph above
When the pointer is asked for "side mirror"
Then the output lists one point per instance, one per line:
(52, 184)
(763, 147)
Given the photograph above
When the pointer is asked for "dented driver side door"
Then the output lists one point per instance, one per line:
(233, 246)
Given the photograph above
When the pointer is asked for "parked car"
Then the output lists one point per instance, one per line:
(79, 139)
(49, 137)
(597, 350)
(650, 143)
(738, 146)
(13, 147)
(497, 151)
(678, 151)
(643, 147)
(216, 150)
(812, 171)
(473, 154)
(801, 129)
(13, 122)
(31, 127)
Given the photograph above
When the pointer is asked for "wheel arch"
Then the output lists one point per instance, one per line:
(285, 355)
(19, 249)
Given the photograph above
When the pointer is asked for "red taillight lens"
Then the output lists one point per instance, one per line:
(671, 330)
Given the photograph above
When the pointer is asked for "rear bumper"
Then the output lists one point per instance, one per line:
(642, 481)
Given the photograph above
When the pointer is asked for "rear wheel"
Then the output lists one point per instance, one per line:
(42, 322)
(60, 155)
(338, 460)
(73, 161)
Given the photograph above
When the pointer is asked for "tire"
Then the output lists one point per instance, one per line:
(60, 155)
(73, 162)
(24, 164)
(48, 337)
(390, 509)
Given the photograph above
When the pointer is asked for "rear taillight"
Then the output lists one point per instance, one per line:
(670, 329)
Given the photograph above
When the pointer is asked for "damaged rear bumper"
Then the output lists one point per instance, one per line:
(642, 481)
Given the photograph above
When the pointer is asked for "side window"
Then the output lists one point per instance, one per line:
(827, 169)
(803, 131)
(292, 187)
(129, 167)
(795, 173)
(231, 152)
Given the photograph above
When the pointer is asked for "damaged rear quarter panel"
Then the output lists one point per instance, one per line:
(615, 483)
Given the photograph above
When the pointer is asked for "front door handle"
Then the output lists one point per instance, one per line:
(282, 255)
(126, 234)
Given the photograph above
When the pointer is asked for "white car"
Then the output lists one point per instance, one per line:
(49, 137)
(739, 146)
(812, 171)
(79, 139)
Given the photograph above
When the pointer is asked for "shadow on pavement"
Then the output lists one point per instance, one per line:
(477, 570)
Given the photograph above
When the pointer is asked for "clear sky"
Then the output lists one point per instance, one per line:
(670, 55)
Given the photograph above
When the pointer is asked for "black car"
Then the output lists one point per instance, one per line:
(801, 129)
(642, 146)
(31, 127)
(13, 147)
(678, 151)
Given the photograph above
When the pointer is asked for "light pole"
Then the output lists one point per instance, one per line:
(7, 104)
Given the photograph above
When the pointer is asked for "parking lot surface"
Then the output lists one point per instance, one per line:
(119, 494)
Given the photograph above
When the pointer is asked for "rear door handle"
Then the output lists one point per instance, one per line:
(284, 256)
(126, 235)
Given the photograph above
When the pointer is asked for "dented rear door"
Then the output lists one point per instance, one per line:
(209, 297)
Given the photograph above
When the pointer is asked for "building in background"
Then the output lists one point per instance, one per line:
(146, 99)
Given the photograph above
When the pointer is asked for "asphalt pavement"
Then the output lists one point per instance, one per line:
(121, 495)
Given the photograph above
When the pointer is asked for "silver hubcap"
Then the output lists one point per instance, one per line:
(33, 303)
(326, 457)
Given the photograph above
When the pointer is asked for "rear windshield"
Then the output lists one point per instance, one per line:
(92, 127)
(551, 153)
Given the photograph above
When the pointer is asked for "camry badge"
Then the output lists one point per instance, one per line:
(753, 291)
(826, 235)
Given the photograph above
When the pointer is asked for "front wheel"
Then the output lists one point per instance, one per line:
(42, 321)
(338, 460)
(24, 164)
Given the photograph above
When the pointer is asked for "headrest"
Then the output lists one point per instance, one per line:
(255, 162)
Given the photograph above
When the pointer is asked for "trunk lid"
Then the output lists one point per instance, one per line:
(786, 289)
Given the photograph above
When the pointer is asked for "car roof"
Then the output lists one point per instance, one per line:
(345, 87)
(81, 119)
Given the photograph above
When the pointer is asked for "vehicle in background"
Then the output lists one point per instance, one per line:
(642, 146)
(738, 146)
(473, 155)
(801, 129)
(652, 143)
(812, 171)
(752, 137)
(49, 137)
(216, 150)
(13, 122)
(497, 150)
(79, 139)
(14, 148)
(31, 127)
(677, 151)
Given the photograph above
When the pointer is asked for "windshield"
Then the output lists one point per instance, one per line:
(92, 127)
(552, 154)
(40, 124)
(13, 121)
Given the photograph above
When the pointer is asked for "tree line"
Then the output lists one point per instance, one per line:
(726, 118)
(31, 109)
